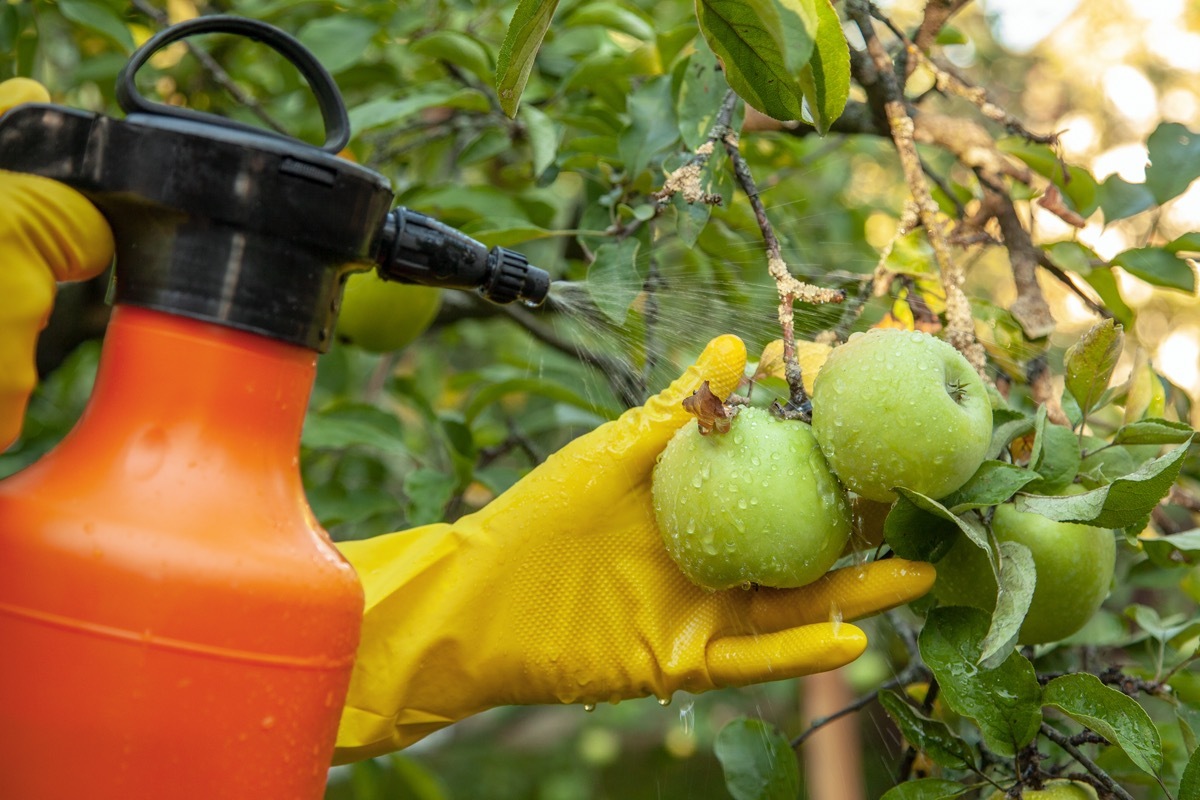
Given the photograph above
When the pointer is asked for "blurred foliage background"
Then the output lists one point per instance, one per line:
(437, 430)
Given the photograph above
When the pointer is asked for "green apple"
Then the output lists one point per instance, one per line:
(1074, 566)
(757, 504)
(382, 316)
(900, 408)
(1055, 790)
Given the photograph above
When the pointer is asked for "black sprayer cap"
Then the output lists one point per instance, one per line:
(232, 224)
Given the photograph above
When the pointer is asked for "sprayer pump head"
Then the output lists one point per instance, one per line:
(240, 226)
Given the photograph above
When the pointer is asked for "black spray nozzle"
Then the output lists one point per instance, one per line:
(415, 248)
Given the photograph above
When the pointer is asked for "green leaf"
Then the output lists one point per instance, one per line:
(428, 493)
(333, 505)
(1105, 284)
(1073, 257)
(99, 18)
(825, 80)
(1055, 455)
(1124, 502)
(1186, 243)
(915, 534)
(969, 525)
(1174, 160)
(652, 126)
(1004, 701)
(1176, 630)
(1189, 785)
(993, 483)
(613, 279)
(519, 49)
(1090, 362)
(544, 135)
(701, 85)
(1007, 426)
(1158, 266)
(1165, 550)
(338, 41)
(926, 789)
(758, 761)
(353, 425)
(690, 219)
(931, 737)
(1120, 199)
(1110, 713)
(1076, 183)
(458, 49)
(1154, 431)
(413, 780)
(614, 16)
(385, 111)
(494, 231)
(1017, 580)
(763, 44)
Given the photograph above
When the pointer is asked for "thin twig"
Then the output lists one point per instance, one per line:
(790, 289)
(903, 678)
(1099, 774)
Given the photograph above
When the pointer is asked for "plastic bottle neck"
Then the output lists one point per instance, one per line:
(212, 386)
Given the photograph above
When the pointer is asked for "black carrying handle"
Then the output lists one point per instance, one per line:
(329, 99)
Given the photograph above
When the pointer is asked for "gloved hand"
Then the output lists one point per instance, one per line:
(48, 233)
(560, 591)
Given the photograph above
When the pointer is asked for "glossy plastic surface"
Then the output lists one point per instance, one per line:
(174, 623)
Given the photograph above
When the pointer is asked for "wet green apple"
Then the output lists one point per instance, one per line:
(382, 316)
(1074, 566)
(757, 504)
(900, 408)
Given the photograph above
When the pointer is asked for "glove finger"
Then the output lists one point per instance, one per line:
(15, 91)
(640, 434)
(848, 593)
(722, 364)
(48, 232)
(789, 653)
(48, 224)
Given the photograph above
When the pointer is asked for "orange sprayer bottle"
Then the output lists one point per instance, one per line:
(174, 623)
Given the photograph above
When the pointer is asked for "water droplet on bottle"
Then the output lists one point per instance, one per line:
(664, 701)
(589, 707)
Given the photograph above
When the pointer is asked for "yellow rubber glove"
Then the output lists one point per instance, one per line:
(48, 233)
(560, 591)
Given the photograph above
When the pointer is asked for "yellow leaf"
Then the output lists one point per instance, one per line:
(809, 355)
(181, 11)
(1144, 396)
